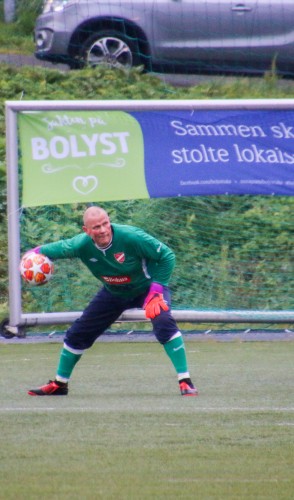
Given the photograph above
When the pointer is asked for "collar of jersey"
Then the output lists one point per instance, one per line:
(103, 249)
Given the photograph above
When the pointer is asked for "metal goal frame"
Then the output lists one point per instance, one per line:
(17, 319)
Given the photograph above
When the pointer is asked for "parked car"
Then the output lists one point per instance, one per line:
(214, 35)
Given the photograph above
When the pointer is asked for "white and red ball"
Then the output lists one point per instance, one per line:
(36, 269)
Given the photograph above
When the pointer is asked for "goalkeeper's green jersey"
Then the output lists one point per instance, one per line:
(127, 266)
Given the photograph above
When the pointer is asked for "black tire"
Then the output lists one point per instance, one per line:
(110, 48)
(3, 332)
(7, 334)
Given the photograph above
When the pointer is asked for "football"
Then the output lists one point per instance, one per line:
(36, 269)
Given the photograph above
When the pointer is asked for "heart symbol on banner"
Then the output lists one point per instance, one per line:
(85, 185)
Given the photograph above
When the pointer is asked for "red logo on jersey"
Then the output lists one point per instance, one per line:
(120, 257)
(116, 280)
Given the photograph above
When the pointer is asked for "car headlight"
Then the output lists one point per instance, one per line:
(54, 5)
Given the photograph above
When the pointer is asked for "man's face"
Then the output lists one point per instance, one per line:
(99, 229)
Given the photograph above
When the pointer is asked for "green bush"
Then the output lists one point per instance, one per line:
(26, 14)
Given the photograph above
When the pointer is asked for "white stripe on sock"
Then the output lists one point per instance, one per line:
(175, 336)
(73, 351)
(61, 379)
(181, 376)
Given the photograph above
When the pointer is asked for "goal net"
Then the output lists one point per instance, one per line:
(231, 252)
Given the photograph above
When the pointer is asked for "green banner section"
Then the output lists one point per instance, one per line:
(80, 156)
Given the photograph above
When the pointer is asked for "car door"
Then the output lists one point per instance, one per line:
(270, 33)
(221, 30)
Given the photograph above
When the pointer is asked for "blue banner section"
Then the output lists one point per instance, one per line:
(191, 153)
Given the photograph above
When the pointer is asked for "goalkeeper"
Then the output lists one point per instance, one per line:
(135, 269)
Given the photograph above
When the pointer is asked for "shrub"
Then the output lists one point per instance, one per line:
(26, 13)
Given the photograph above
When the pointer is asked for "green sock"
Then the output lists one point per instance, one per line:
(67, 362)
(175, 349)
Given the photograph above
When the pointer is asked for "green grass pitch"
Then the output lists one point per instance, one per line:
(125, 433)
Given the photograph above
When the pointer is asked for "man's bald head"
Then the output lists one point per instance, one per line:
(92, 213)
(97, 226)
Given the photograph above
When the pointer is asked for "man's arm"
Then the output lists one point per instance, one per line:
(159, 258)
(63, 249)
(160, 261)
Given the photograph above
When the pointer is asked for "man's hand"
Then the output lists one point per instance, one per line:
(154, 301)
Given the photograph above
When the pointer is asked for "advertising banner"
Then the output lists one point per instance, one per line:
(97, 156)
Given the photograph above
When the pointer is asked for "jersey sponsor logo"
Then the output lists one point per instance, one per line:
(120, 257)
(116, 280)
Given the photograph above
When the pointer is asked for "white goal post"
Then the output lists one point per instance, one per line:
(18, 319)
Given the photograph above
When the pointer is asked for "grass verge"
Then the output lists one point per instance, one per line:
(12, 41)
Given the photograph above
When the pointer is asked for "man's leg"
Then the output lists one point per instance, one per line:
(102, 311)
(168, 334)
(176, 351)
(67, 361)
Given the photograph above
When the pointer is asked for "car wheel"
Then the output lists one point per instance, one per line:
(110, 48)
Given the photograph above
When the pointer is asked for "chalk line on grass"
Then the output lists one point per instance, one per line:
(94, 409)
